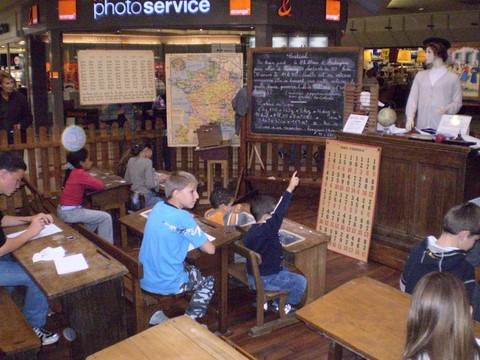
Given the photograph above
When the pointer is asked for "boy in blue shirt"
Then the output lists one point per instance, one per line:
(168, 233)
(262, 238)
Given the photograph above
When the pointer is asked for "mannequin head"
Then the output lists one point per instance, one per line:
(436, 49)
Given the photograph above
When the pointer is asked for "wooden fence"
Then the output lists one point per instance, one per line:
(45, 155)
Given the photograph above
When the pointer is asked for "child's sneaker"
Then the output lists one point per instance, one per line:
(158, 318)
(289, 309)
(46, 336)
(265, 305)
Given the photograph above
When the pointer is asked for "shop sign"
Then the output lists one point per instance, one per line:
(285, 9)
(104, 8)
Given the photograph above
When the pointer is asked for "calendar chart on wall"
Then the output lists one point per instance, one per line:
(348, 196)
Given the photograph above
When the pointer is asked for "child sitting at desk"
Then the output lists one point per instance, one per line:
(262, 238)
(35, 309)
(70, 208)
(224, 212)
(440, 324)
(461, 229)
(138, 169)
(168, 233)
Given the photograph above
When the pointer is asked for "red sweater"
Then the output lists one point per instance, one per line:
(77, 182)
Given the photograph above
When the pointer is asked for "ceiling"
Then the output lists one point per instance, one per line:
(365, 8)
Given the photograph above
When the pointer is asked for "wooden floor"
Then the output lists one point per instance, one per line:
(296, 341)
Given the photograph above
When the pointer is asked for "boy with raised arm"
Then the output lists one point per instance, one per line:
(262, 237)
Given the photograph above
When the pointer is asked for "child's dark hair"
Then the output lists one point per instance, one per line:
(261, 205)
(137, 147)
(11, 162)
(462, 217)
(74, 158)
(220, 196)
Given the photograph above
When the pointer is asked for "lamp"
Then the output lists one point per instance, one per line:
(404, 56)
(420, 56)
(367, 56)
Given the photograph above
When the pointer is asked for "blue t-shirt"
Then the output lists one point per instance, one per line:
(168, 233)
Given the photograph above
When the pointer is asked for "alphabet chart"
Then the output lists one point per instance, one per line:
(348, 196)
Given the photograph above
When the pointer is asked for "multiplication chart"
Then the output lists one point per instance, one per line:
(347, 197)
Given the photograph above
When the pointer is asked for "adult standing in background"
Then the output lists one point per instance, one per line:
(240, 106)
(14, 109)
(434, 92)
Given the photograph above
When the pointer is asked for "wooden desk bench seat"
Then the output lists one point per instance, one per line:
(17, 338)
(142, 303)
(305, 182)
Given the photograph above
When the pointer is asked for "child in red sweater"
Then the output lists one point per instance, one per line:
(77, 179)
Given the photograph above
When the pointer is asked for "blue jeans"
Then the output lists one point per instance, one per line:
(35, 308)
(285, 280)
(92, 219)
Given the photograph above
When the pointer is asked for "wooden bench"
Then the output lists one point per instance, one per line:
(17, 338)
(143, 303)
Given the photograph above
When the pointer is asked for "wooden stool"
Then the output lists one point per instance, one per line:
(211, 174)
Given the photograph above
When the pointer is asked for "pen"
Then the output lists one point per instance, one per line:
(101, 253)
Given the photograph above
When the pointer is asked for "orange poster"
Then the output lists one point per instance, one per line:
(348, 196)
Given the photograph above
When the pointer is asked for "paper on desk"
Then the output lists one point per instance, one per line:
(472, 139)
(69, 264)
(209, 237)
(48, 230)
(49, 254)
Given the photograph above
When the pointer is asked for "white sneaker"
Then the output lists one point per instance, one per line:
(158, 317)
(46, 336)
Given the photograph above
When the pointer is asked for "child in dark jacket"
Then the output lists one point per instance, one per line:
(262, 238)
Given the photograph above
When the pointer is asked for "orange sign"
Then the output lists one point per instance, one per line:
(33, 20)
(285, 9)
(332, 10)
(240, 7)
(67, 9)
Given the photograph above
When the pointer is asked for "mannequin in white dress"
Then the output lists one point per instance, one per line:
(434, 92)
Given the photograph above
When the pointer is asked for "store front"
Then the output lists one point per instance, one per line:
(53, 35)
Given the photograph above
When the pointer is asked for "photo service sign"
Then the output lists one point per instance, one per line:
(116, 76)
(348, 196)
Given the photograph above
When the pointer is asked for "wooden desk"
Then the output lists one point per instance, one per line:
(365, 316)
(115, 195)
(310, 257)
(177, 338)
(419, 182)
(91, 299)
(223, 237)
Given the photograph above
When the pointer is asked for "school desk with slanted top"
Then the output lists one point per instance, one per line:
(92, 299)
(223, 237)
(115, 195)
(363, 315)
(178, 338)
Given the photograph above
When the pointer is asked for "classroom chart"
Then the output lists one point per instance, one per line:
(116, 76)
(348, 196)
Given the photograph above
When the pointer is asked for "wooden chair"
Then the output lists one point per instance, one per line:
(36, 202)
(143, 303)
(239, 272)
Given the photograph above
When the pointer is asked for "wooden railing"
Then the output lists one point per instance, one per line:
(45, 155)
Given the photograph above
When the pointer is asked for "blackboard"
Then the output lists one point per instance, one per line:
(299, 92)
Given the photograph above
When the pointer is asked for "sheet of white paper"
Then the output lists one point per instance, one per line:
(69, 264)
(454, 124)
(355, 124)
(472, 139)
(48, 230)
(209, 237)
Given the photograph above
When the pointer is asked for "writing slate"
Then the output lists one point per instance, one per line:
(299, 92)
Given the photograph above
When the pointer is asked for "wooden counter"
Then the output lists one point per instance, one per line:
(419, 182)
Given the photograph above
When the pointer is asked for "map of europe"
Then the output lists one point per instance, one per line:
(200, 88)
